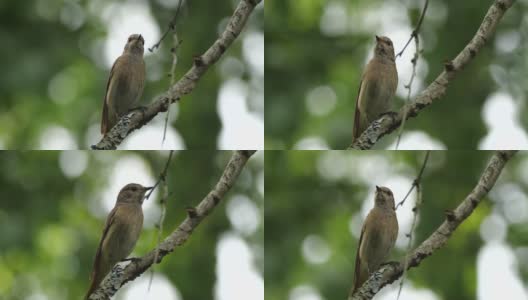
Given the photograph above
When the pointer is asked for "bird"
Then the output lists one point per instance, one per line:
(120, 234)
(377, 238)
(377, 87)
(125, 83)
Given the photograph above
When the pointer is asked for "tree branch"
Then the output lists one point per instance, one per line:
(136, 119)
(119, 276)
(437, 89)
(390, 272)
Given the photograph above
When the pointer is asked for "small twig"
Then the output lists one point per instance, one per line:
(414, 34)
(416, 181)
(408, 86)
(172, 75)
(162, 176)
(415, 218)
(172, 26)
(161, 220)
(414, 61)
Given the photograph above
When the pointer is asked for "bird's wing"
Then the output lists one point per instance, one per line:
(104, 119)
(109, 222)
(357, 268)
(98, 256)
(357, 116)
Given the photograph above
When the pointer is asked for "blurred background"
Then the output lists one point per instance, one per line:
(316, 202)
(54, 205)
(56, 59)
(316, 50)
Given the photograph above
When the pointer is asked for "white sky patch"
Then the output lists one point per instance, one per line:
(311, 143)
(92, 135)
(333, 165)
(355, 224)
(507, 41)
(253, 51)
(512, 200)
(131, 168)
(370, 169)
(321, 100)
(315, 249)
(72, 15)
(124, 19)
(172, 3)
(500, 113)
(404, 66)
(498, 259)
(150, 137)
(304, 292)
(493, 228)
(334, 19)
(241, 129)
(409, 292)
(237, 277)
(56, 137)
(383, 16)
(417, 140)
(161, 288)
(73, 163)
(63, 87)
(243, 214)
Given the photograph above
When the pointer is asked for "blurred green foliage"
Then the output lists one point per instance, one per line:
(49, 233)
(319, 43)
(321, 193)
(56, 47)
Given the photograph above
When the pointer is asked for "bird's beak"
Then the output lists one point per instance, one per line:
(378, 188)
(377, 38)
(149, 188)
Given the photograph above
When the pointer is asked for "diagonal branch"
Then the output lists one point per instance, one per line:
(119, 276)
(437, 89)
(136, 119)
(440, 236)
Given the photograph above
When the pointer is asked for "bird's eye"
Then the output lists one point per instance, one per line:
(134, 189)
(129, 39)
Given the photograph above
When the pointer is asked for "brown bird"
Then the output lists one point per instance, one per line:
(125, 84)
(377, 238)
(377, 87)
(120, 233)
